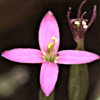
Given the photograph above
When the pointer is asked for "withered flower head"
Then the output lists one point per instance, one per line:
(79, 25)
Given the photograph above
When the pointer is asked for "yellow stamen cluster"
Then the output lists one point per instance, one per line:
(51, 46)
(77, 23)
(50, 55)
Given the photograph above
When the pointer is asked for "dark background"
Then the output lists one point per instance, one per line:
(19, 25)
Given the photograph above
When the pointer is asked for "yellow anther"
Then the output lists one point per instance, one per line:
(84, 23)
(49, 45)
(54, 39)
(85, 26)
(77, 23)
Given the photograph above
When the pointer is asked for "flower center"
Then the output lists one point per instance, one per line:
(50, 55)
(77, 23)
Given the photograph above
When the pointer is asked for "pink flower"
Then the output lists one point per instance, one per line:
(49, 57)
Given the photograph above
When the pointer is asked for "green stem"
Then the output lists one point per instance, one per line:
(80, 44)
(78, 79)
(43, 97)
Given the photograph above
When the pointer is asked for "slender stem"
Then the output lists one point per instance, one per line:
(43, 97)
(80, 44)
(78, 79)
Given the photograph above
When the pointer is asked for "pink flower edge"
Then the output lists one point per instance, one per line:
(48, 77)
(48, 29)
(76, 57)
(24, 55)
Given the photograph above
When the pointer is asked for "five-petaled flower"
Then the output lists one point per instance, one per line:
(79, 25)
(49, 57)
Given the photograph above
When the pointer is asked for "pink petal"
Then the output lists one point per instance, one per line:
(76, 57)
(48, 29)
(23, 55)
(48, 77)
